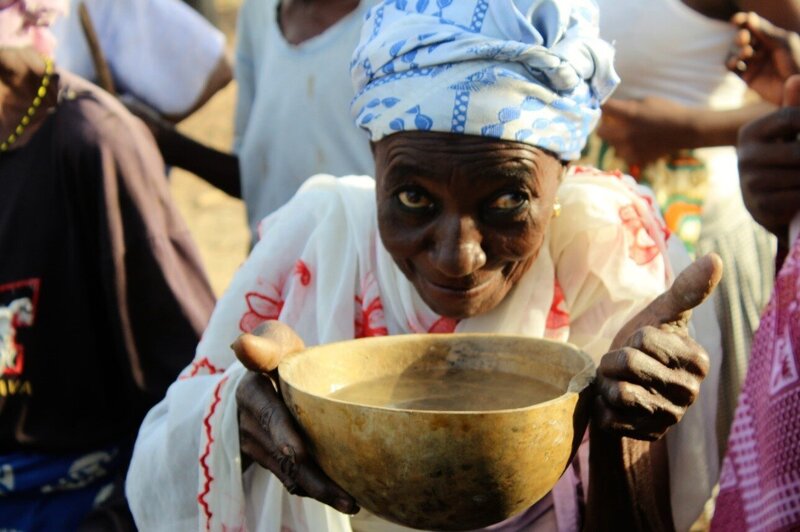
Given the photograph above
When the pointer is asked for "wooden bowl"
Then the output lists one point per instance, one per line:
(473, 460)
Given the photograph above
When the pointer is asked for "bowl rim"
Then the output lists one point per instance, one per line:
(577, 384)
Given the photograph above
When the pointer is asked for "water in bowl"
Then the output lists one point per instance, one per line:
(449, 390)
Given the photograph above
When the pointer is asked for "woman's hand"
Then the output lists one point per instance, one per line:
(653, 373)
(763, 55)
(268, 434)
(642, 131)
(769, 164)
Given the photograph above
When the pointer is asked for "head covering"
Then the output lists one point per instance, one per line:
(533, 71)
(27, 23)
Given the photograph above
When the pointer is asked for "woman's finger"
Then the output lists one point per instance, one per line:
(673, 350)
(636, 425)
(631, 365)
(270, 436)
(635, 400)
(319, 486)
(263, 350)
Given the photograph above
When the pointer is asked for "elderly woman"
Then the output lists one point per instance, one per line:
(470, 225)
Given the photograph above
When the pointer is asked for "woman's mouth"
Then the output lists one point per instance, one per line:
(458, 289)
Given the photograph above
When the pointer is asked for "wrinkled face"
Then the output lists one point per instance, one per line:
(463, 217)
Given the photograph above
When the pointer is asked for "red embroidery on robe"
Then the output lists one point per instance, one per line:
(370, 319)
(591, 171)
(302, 272)
(654, 211)
(558, 317)
(200, 365)
(260, 309)
(642, 249)
(208, 478)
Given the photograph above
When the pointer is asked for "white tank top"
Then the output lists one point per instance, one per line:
(667, 49)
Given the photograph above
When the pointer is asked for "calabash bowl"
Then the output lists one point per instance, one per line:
(440, 469)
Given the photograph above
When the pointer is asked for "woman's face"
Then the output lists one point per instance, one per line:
(463, 217)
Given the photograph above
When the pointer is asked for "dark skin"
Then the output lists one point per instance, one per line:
(300, 20)
(768, 164)
(21, 72)
(463, 247)
(768, 59)
(642, 131)
(460, 211)
(764, 55)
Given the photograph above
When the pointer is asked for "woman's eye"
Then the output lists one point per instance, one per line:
(414, 199)
(508, 202)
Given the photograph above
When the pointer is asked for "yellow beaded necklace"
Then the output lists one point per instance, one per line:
(37, 101)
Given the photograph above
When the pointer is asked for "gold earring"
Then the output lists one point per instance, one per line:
(556, 209)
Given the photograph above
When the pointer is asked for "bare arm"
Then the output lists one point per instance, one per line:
(644, 386)
(634, 491)
(721, 128)
(215, 167)
(642, 131)
(782, 13)
(217, 80)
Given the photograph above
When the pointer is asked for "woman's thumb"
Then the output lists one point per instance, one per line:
(690, 289)
(264, 349)
(674, 307)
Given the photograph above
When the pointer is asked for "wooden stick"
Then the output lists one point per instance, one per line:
(104, 78)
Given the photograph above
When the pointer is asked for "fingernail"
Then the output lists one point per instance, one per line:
(236, 343)
(347, 506)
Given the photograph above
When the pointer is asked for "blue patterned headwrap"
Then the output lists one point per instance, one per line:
(533, 71)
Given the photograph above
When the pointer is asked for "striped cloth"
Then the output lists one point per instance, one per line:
(748, 252)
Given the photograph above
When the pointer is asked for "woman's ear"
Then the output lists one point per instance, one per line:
(565, 166)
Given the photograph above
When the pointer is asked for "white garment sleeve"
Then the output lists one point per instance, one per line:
(185, 473)
(179, 441)
(189, 443)
(161, 51)
(610, 257)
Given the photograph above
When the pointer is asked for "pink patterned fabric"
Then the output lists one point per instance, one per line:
(760, 480)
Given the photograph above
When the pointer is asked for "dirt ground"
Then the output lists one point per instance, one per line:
(216, 221)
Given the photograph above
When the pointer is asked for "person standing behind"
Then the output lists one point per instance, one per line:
(673, 122)
(292, 70)
(102, 294)
(762, 466)
(160, 52)
(292, 112)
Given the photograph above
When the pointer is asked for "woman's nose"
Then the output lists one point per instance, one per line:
(457, 250)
